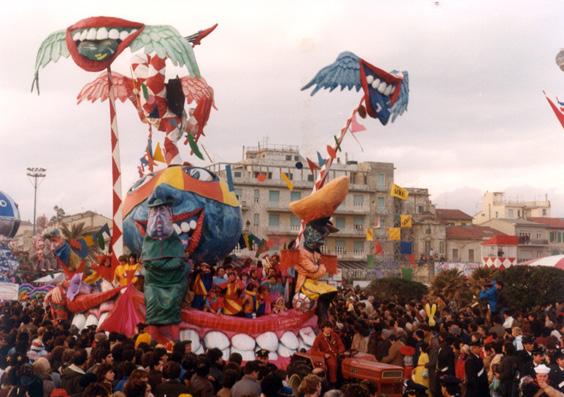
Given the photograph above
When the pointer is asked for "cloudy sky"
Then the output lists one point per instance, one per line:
(477, 117)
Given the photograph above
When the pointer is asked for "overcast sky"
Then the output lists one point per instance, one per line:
(477, 117)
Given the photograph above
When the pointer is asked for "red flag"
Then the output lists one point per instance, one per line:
(312, 166)
(378, 248)
(559, 114)
(331, 152)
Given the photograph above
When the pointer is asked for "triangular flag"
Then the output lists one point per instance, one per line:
(355, 125)
(158, 154)
(370, 261)
(194, 147)
(559, 114)
(369, 234)
(286, 180)
(337, 144)
(378, 248)
(331, 152)
(320, 159)
(394, 233)
(312, 166)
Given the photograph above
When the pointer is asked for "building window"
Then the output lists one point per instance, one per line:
(470, 255)
(339, 247)
(310, 177)
(290, 175)
(441, 247)
(273, 221)
(518, 213)
(273, 196)
(297, 158)
(237, 174)
(381, 204)
(358, 248)
(420, 209)
(256, 195)
(510, 213)
(238, 193)
(543, 212)
(552, 236)
(496, 214)
(288, 157)
(427, 247)
(294, 223)
(256, 220)
(381, 181)
(340, 222)
(295, 196)
(358, 200)
(455, 254)
(359, 223)
(428, 230)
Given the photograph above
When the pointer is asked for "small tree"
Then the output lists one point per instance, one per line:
(396, 289)
(452, 285)
(526, 287)
(59, 215)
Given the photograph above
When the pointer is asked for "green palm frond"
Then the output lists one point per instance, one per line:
(52, 49)
(166, 42)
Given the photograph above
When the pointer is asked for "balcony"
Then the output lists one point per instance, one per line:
(244, 205)
(526, 240)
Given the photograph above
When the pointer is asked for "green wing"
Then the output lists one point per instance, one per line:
(166, 42)
(52, 49)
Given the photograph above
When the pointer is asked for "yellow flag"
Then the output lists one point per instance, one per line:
(394, 234)
(158, 154)
(286, 180)
(369, 234)
(399, 192)
(89, 240)
(406, 221)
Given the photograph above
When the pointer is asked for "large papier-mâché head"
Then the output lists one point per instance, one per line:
(206, 215)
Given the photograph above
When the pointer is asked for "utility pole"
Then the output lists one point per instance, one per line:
(35, 173)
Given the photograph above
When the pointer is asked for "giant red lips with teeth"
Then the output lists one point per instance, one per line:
(95, 42)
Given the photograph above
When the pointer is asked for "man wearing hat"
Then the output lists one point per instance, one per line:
(450, 386)
(541, 380)
(538, 358)
(556, 375)
(525, 356)
(476, 374)
(330, 345)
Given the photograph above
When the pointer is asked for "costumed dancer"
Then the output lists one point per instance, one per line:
(203, 282)
(232, 304)
(166, 270)
(330, 345)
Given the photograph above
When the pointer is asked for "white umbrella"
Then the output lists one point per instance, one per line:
(50, 279)
(556, 261)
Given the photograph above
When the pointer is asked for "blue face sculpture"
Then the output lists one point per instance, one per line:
(205, 214)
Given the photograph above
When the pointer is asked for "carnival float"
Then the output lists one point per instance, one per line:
(183, 221)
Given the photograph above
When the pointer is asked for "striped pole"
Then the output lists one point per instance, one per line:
(116, 245)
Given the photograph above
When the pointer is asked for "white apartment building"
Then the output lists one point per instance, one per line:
(495, 206)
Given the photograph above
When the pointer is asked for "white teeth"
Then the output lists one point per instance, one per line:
(193, 224)
(102, 34)
(382, 87)
(133, 31)
(375, 83)
(83, 34)
(91, 34)
(123, 35)
(389, 90)
(76, 36)
(177, 228)
(185, 227)
(369, 79)
(114, 34)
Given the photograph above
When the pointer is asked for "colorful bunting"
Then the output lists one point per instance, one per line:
(378, 248)
(558, 112)
(194, 147)
(229, 176)
(355, 125)
(399, 192)
(406, 221)
(320, 160)
(406, 247)
(158, 154)
(286, 180)
(261, 177)
(331, 151)
(394, 234)
(337, 144)
(370, 261)
(312, 166)
(369, 234)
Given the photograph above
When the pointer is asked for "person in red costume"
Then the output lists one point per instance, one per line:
(330, 345)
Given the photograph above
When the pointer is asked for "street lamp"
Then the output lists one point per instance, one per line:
(35, 173)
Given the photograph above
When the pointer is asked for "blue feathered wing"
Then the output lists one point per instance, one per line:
(344, 73)
(400, 106)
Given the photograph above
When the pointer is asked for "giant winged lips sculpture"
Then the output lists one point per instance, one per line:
(94, 43)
